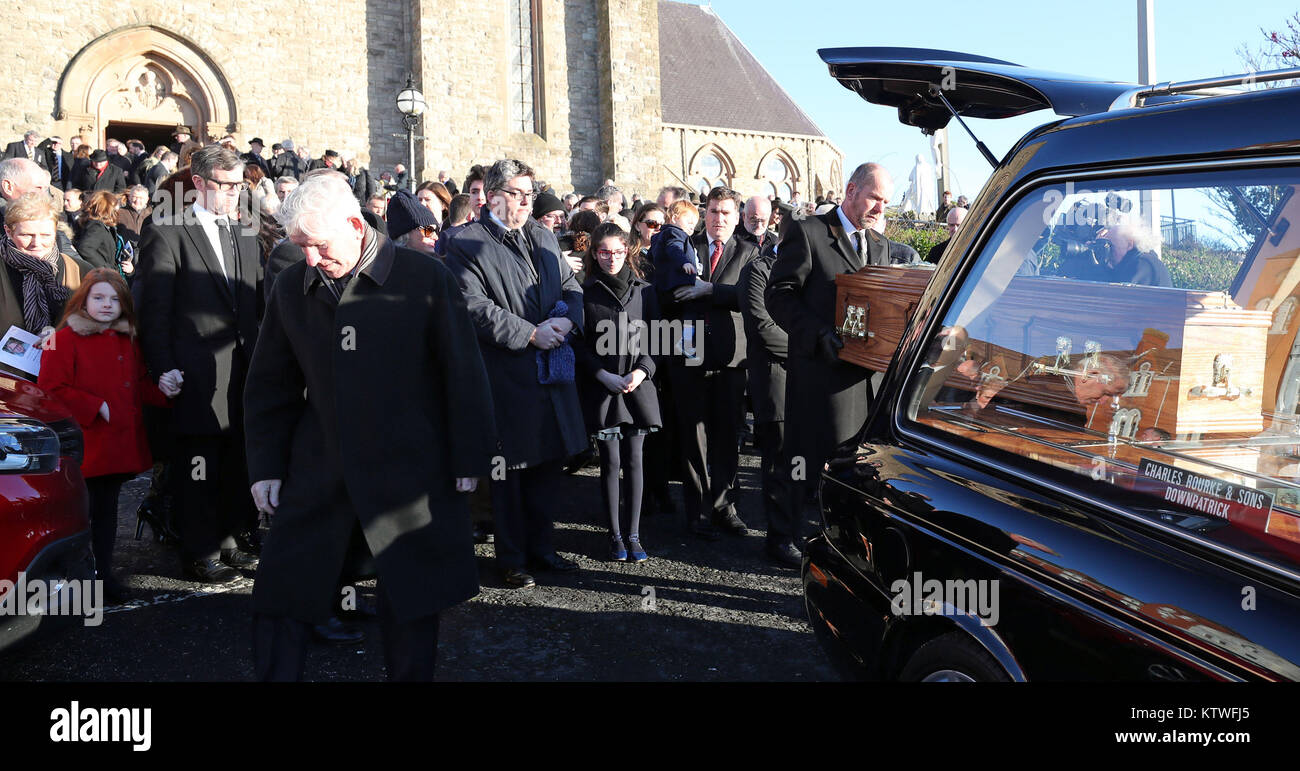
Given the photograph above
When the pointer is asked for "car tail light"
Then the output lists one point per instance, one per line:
(27, 448)
(71, 443)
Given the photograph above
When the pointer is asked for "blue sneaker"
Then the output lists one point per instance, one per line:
(634, 546)
(617, 552)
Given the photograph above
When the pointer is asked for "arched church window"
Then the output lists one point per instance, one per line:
(525, 69)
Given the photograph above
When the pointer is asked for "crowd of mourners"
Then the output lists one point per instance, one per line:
(388, 371)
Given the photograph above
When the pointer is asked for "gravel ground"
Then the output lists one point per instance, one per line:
(696, 611)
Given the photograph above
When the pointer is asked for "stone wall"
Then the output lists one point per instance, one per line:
(272, 75)
(466, 84)
(327, 74)
(817, 162)
(629, 93)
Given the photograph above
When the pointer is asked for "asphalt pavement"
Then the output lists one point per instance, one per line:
(696, 611)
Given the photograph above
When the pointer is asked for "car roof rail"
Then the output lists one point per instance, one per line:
(1223, 85)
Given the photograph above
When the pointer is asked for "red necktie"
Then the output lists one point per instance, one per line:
(713, 258)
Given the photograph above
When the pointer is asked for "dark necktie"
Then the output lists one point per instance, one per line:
(713, 258)
(860, 244)
(228, 249)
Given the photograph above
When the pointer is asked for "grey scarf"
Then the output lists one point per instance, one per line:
(42, 291)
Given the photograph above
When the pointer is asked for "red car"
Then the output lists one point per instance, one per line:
(44, 519)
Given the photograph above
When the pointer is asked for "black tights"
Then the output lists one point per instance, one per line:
(103, 492)
(622, 454)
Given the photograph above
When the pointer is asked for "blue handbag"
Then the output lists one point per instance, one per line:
(556, 366)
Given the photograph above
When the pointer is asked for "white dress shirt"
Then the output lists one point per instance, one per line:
(208, 221)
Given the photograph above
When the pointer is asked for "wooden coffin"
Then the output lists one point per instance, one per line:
(1196, 359)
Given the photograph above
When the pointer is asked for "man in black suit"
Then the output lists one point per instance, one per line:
(360, 334)
(58, 162)
(117, 156)
(827, 400)
(197, 292)
(768, 347)
(26, 148)
(101, 174)
(710, 388)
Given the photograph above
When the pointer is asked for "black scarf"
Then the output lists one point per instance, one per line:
(369, 248)
(43, 294)
(618, 282)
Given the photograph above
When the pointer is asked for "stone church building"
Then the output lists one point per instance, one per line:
(647, 92)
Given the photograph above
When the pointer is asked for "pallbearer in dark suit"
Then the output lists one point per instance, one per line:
(768, 347)
(826, 399)
(197, 292)
(368, 408)
(709, 390)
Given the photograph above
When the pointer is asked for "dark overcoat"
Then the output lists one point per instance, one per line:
(618, 338)
(97, 246)
(768, 343)
(508, 297)
(195, 319)
(368, 412)
(826, 401)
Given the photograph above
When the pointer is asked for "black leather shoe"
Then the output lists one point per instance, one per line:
(517, 579)
(785, 555)
(731, 523)
(237, 558)
(553, 562)
(209, 571)
(335, 632)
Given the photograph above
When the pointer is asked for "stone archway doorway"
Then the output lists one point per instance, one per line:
(148, 78)
(151, 134)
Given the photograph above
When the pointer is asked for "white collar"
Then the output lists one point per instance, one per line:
(848, 226)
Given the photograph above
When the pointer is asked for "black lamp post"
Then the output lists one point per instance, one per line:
(410, 102)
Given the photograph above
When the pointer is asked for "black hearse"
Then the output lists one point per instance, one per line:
(1079, 465)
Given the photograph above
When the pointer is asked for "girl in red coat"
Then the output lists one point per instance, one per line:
(94, 366)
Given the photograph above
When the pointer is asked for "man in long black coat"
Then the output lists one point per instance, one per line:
(101, 174)
(768, 347)
(367, 406)
(710, 390)
(197, 292)
(510, 269)
(827, 400)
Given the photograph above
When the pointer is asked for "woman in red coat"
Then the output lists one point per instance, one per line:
(94, 366)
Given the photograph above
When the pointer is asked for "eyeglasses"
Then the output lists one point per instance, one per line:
(607, 253)
(651, 224)
(524, 197)
(228, 187)
(428, 231)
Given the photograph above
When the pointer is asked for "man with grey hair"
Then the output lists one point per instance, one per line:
(26, 148)
(18, 177)
(668, 195)
(827, 400)
(524, 302)
(612, 196)
(199, 270)
(362, 333)
(757, 219)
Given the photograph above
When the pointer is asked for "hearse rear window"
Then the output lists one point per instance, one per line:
(1141, 332)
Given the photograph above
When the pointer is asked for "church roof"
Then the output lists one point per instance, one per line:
(693, 44)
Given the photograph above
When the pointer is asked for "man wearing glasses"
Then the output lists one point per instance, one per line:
(510, 269)
(197, 294)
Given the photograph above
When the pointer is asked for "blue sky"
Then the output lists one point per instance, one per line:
(1194, 39)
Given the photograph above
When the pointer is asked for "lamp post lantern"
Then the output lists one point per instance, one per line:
(410, 102)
